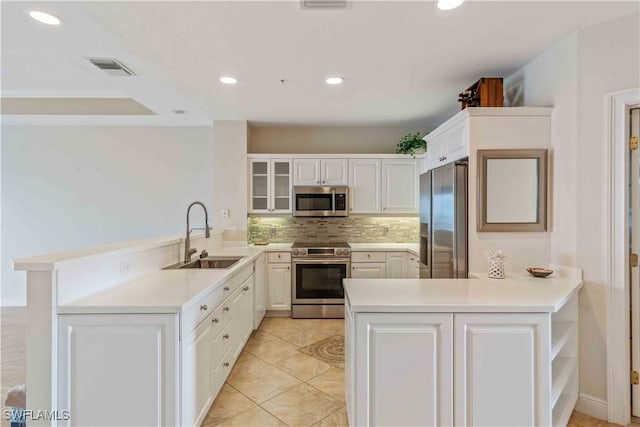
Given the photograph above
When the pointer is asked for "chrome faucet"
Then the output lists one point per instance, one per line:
(188, 251)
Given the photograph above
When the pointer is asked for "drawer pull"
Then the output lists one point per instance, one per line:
(225, 309)
(279, 256)
(225, 336)
(226, 288)
(368, 255)
(214, 320)
(288, 268)
(204, 307)
(246, 288)
(226, 364)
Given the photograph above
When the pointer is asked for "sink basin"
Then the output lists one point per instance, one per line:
(207, 262)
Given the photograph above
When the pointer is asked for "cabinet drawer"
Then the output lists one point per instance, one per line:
(192, 317)
(222, 343)
(222, 371)
(368, 257)
(279, 257)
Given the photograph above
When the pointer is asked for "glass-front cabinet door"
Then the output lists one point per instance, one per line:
(270, 185)
(281, 185)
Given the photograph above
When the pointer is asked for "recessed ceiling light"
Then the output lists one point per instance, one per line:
(45, 18)
(449, 4)
(228, 80)
(334, 80)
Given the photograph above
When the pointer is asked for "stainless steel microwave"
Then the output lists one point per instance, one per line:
(321, 201)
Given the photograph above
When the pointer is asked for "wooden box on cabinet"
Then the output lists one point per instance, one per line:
(486, 92)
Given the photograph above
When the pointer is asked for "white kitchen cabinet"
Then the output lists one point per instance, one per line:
(365, 178)
(396, 265)
(399, 186)
(368, 270)
(242, 315)
(279, 286)
(259, 289)
(270, 186)
(320, 172)
(502, 369)
(197, 373)
(138, 356)
(155, 369)
(470, 368)
(449, 142)
(403, 369)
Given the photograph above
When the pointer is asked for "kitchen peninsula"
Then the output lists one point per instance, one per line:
(462, 351)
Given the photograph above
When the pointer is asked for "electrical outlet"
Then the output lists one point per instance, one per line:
(385, 230)
(225, 213)
(272, 231)
(124, 267)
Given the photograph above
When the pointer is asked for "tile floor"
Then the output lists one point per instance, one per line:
(272, 384)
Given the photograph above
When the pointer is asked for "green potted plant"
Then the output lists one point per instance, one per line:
(411, 143)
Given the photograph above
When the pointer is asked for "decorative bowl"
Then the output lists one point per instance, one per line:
(539, 272)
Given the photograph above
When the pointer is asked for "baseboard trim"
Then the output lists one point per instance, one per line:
(593, 406)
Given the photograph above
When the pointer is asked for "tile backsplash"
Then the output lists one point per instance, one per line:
(356, 229)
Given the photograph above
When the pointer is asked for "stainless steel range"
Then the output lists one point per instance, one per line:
(318, 270)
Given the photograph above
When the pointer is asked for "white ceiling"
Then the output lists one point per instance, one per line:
(403, 62)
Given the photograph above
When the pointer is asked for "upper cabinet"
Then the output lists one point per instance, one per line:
(399, 186)
(447, 144)
(269, 185)
(365, 178)
(320, 172)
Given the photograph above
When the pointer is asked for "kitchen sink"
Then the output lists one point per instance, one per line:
(207, 262)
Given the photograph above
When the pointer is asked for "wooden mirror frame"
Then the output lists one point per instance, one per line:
(481, 202)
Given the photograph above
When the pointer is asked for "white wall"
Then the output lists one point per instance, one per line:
(313, 139)
(66, 187)
(575, 76)
(523, 249)
(230, 176)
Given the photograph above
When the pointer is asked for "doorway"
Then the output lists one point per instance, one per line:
(634, 250)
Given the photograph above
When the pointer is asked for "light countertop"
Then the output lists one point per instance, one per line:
(516, 293)
(386, 247)
(172, 291)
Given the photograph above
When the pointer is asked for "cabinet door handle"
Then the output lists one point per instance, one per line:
(225, 336)
(288, 268)
(226, 364)
(353, 268)
(204, 307)
(279, 256)
(226, 288)
(214, 320)
(368, 255)
(246, 288)
(225, 309)
(323, 182)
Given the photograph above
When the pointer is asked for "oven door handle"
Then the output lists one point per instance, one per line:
(323, 261)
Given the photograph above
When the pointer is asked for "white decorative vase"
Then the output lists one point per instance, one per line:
(496, 268)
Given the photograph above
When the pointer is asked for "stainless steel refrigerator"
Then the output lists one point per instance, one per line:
(443, 222)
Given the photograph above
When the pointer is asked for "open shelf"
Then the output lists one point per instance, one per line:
(560, 334)
(563, 409)
(563, 369)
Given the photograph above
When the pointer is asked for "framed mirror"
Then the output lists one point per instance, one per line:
(512, 190)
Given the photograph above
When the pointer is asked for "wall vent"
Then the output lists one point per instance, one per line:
(112, 66)
(324, 4)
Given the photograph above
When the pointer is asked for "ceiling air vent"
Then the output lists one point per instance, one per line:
(324, 4)
(112, 66)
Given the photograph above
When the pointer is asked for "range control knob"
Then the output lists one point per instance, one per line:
(303, 251)
(345, 252)
(295, 251)
(338, 251)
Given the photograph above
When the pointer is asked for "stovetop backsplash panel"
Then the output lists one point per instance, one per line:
(354, 229)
